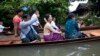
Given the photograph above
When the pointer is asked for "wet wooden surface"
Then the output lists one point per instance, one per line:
(92, 32)
(10, 39)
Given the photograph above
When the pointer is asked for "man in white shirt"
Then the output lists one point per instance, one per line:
(36, 23)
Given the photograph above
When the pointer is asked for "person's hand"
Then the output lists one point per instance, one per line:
(7, 27)
(62, 34)
(45, 20)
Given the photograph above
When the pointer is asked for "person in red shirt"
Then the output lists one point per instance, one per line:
(16, 21)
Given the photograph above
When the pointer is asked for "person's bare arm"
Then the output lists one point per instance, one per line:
(7, 27)
(30, 22)
(40, 26)
(53, 30)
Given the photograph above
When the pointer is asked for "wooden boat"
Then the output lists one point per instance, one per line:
(92, 32)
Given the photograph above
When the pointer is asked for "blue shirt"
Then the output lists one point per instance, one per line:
(25, 27)
(71, 29)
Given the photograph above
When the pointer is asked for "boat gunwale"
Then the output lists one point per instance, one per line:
(64, 41)
(95, 38)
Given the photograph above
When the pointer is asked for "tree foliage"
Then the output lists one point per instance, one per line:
(7, 10)
(57, 8)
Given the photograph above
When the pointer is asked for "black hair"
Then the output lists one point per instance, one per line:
(70, 15)
(47, 16)
(25, 16)
(33, 11)
(19, 10)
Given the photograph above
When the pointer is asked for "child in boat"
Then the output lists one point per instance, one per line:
(50, 34)
(3, 29)
(28, 33)
(16, 21)
(72, 30)
(81, 23)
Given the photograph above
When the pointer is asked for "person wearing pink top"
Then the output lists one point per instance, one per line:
(16, 21)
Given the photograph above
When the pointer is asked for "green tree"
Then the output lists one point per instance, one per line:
(57, 8)
(7, 10)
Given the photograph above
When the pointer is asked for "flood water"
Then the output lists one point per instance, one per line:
(68, 49)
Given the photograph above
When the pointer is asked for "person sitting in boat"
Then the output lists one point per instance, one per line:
(3, 29)
(71, 28)
(50, 34)
(28, 33)
(81, 23)
(36, 24)
(53, 24)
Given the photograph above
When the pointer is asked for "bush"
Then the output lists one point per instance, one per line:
(7, 11)
(57, 8)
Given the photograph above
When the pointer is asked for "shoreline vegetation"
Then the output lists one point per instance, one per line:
(58, 8)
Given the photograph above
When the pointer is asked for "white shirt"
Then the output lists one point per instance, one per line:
(54, 25)
(1, 28)
(36, 23)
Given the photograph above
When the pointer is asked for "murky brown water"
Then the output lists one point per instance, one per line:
(68, 49)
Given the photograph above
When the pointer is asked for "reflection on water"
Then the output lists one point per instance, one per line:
(68, 49)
